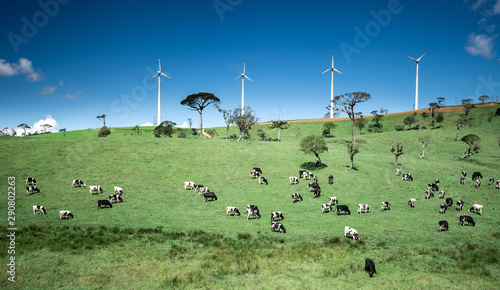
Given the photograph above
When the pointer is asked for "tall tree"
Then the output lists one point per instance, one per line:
(347, 103)
(46, 128)
(328, 127)
(425, 141)
(227, 119)
(397, 149)
(490, 117)
(441, 101)
(468, 105)
(198, 102)
(64, 131)
(483, 98)
(190, 122)
(433, 107)
(245, 121)
(410, 120)
(25, 127)
(280, 125)
(440, 119)
(474, 143)
(313, 145)
(360, 123)
(352, 150)
(103, 119)
(459, 123)
(335, 112)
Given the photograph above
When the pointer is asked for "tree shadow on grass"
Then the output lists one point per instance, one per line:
(313, 166)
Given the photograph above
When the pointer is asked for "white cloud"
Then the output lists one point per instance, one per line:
(147, 124)
(48, 120)
(496, 8)
(184, 125)
(61, 83)
(24, 66)
(480, 44)
(48, 90)
(483, 23)
(72, 96)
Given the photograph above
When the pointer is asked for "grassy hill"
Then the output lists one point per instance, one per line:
(163, 236)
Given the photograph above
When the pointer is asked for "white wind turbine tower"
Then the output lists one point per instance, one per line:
(416, 82)
(243, 76)
(159, 97)
(331, 92)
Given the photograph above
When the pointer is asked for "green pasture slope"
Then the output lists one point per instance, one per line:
(162, 236)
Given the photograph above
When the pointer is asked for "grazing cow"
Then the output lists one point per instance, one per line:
(343, 208)
(317, 192)
(118, 190)
(232, 210)
(429, 194)
(462, 180)
(254, 174)
(307, 175)
(189, 184)
(293, 180)
(315, 179)
(197, 187)
(209, 196)
(348, 231)
(333, 200)
(31, 181)
(257, 169)
(466, 218)
(411, 202)
(441, 194)
(443, 207)
(313, 186)
(437, 182)
(262, 180)
(296, 197)
(463, 174)
(326, 207)
(478, 183)
(477, 208)
(407, 176)
(104, 203)
(449, 201)
(116, 197)
(252, 210)
(301, 173)
(364, 207)
(203, 189)
(370, 267)
(443, 225)
(277, 215)
(32, 189)
(385, 205)
(276, 226)
(398, 171)
(78, 183)
(498, 184)
(66, 214)
(433, 186)
(460, 205)
(476, 175)
(330, 179)
(492, 181)
(95, 188)
(39, 208)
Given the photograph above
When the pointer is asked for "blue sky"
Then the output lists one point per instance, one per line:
(75, 60)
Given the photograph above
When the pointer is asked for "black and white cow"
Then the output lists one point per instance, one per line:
(432, 186)
(95, 188)
(429, 193)
(232, 210)
(385, 205)
(312, 186)
(252, 210)
(277, 215)
(441, 194)
(477, 208)
(462, 177)
(333, 200)
(66, 214)
(31, 181)
(263, 180)
(442, 208)
(78, 183)
(476, 175)
(443, 225)
(301, 173)
(32, 189)
(466, 218)
(197, 187)
(189, 184)
(118, 190)
(478, 183)
(460, 205)
(407, 176)
(498, 184)
(307, 175)
(202, 190)
(463, 174)
(330, 179)
(315, 179)
(39, 208)
(363, 207)
(370, 267)
(257, 169)
(116, 197)
(317, 192)
(276, 226)
(296, 197)
(343, 209)
(293, 180)
(449, 201)
(254, 174)
(209, 196)
(411, 202)
(104, 203)
(348, 231)
(398, 171)
(326, 207)
(492, 181)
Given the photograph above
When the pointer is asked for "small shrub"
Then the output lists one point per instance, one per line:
(104, 132)
(423, 127)
(194, 131)
(212, 132)
(182, 134)
(400, 128)
(233, 136)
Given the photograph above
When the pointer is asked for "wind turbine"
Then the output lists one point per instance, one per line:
(158, 73)
(416, 82)
(243, 76)
(498, 61)
(331, 92)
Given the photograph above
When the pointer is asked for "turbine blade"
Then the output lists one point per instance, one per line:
(249, 79)
(338, 71)
(244, 63)
(166, 76)
(326, 70)
(410, 57)
(421, 56)
(237, 78)
(498, 61)
(153, 76)
(159, 64)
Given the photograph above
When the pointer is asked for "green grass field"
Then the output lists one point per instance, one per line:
(162, 236)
